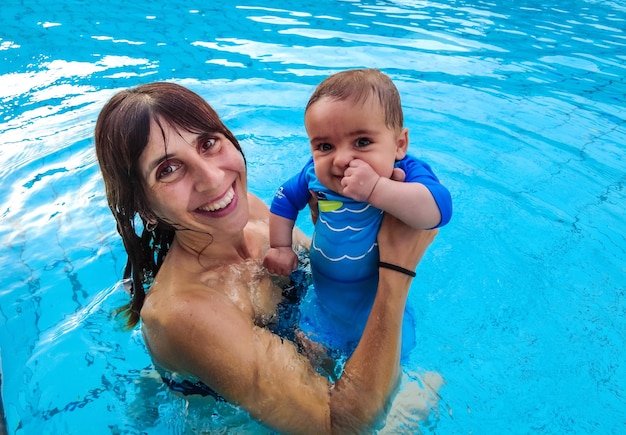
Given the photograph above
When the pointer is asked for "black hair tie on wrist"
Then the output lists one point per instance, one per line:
(396, 268)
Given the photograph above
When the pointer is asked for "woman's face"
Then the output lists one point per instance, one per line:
(194, 181)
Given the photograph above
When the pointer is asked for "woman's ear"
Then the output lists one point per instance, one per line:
(150, 222)
(151, 226)
(402, 143)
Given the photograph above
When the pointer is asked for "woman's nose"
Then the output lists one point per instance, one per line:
(207, 176)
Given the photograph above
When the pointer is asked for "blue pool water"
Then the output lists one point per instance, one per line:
(520, 303)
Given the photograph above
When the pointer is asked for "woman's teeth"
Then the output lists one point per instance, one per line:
(221, 203)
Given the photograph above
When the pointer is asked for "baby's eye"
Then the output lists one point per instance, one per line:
(324, 147)
(362, 142)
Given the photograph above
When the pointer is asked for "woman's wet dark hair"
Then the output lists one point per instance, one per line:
(122, 133)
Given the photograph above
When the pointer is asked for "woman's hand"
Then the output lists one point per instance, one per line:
(402, 245)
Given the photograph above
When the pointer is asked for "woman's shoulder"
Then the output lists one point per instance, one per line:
(166, 311)
(174, 323)
(174, 304)
(258, 209)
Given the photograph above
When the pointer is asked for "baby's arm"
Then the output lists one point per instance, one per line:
(280, 258)
(290, 198)
(411, 202)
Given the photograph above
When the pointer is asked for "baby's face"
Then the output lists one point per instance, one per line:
(341, 131)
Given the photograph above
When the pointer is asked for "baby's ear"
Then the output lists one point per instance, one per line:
(402, 143)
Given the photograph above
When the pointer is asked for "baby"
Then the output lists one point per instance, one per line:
(359, 169)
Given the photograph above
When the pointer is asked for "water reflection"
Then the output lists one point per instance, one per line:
(521, 105)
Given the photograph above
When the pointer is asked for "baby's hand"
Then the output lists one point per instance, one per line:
(281, 260)
(359, 180)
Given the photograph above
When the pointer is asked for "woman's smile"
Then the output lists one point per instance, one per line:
(222, 206)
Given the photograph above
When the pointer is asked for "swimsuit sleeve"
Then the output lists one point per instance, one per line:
(418, 171)
(293, 195)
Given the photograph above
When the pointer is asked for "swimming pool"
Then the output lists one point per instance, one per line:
(520, 302)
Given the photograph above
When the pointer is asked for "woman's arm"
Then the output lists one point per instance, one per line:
(204, 334)
(209, 337)
(372, 371)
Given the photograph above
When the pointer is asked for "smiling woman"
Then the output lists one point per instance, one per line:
(208, 312)
(185, 162)
(131, 117)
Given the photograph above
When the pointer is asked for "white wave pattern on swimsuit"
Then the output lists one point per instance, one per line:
(338, 230)
(343, 257)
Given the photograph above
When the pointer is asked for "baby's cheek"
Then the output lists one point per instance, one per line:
(383, 169)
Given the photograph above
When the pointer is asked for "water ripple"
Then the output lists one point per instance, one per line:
(518, 106)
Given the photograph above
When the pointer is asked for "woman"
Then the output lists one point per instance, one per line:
(166, 156)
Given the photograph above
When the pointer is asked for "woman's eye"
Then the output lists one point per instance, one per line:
(208, 143)
(168, 168)
(362, 142)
